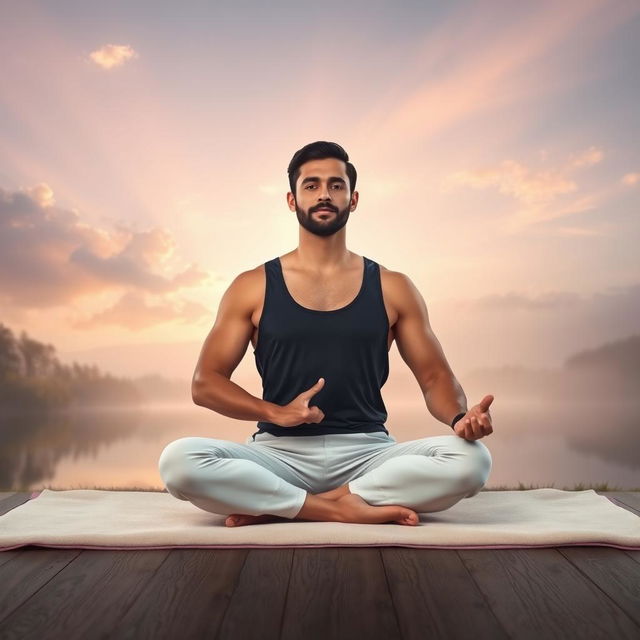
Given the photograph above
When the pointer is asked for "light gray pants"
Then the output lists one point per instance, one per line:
(273, 474)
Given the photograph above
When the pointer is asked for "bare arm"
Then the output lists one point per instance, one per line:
(222, 351)
(422, 352)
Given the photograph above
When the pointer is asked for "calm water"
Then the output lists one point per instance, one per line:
(556, 445)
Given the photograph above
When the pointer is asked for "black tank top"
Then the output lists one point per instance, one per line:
(347, 347)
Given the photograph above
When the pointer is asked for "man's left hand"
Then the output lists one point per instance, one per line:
(476, 422)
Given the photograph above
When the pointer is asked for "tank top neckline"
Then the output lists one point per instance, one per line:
(320, 311)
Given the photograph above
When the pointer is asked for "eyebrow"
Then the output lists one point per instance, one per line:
(316, 179)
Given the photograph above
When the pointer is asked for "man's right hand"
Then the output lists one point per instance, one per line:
(298, 410)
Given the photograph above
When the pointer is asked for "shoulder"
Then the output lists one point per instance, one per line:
(398, 288)
(395, 279)
(247, 289)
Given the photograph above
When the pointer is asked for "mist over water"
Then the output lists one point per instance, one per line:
(559, 427)
(535, 441)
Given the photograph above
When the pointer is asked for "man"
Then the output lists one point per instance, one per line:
(322, 320)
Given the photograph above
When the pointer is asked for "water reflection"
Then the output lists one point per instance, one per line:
(32, 445)
(545, 443)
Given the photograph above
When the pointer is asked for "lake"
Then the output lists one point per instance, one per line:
(548, 445)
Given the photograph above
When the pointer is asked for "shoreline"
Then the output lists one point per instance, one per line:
(520, 487)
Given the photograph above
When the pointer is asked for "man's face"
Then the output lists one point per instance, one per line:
(323, 200)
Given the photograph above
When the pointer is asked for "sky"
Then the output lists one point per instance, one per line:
(144, 147)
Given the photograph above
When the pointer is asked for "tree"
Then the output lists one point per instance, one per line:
(10, 360)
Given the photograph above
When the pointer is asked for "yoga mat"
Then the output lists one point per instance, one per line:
(93, 519)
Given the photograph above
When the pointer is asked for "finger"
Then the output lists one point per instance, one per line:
(468, 431)
(478, 431)
(311, 391)
(484, 421)
(485, 402)
(460, 428)
(486, 428)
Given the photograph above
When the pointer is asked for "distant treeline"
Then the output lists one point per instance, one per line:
(619, 357)
(32, 377)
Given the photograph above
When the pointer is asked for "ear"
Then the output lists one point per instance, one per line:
(354, 200)
(291, 201)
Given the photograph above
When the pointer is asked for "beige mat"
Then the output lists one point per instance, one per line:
(490, 519)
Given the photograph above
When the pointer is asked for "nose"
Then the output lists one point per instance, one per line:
(323, 193)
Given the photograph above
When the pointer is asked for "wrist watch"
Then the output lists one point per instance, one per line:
(458, 417)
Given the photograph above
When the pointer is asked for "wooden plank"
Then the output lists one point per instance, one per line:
(7, 556)
(537, 593)
(13, 501)
(329, 585)
(87, 596)
(27, 571)
(187, 598)
(629, 500)
(430, 588)
(613, 572)
(262, 591)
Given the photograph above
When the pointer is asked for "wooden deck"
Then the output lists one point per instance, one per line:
(334, 593)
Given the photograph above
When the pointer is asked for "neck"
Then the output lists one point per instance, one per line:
(317, 253)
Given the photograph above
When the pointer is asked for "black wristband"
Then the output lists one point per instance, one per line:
(458, 417)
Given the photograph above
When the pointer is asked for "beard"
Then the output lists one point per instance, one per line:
(323, 227)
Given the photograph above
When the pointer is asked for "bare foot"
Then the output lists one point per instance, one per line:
(334, 494)
(347, 507)
(355, 509)
(240, 519)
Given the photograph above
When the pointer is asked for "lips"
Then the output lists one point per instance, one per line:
(324, 210)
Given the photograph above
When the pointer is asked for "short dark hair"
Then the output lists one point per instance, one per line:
(318, 151)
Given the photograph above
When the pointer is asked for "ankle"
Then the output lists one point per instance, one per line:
(320, 509)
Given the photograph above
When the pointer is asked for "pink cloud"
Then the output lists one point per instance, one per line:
(50, 257)
(112, 55)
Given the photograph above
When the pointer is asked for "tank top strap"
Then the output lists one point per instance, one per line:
(372, 298)
(275, 291)
(371, 277)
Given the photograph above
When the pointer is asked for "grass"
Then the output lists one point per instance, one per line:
(603, 486)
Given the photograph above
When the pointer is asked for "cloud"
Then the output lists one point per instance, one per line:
(547, 211)
(514, 179)
(539, 191)
(631, 178)
(132, 264)
(42, 194)
(50, 257)
(586, 158)
(133, 312)
(112, 55)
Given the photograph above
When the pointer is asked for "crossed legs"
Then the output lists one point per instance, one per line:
(392, 483)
